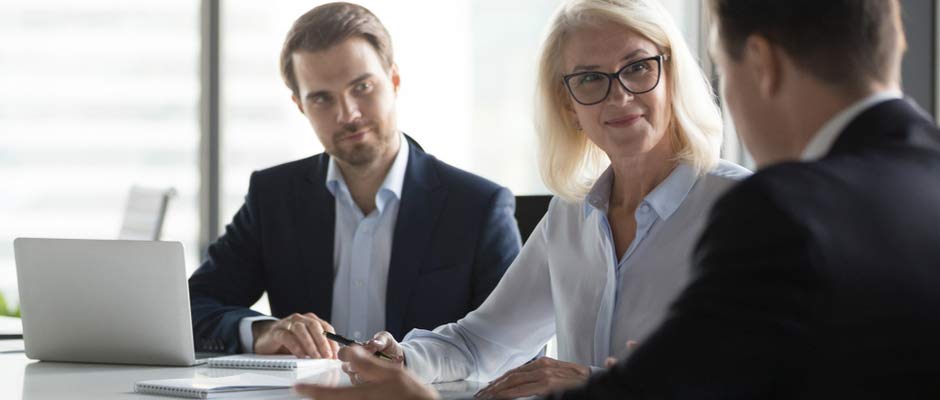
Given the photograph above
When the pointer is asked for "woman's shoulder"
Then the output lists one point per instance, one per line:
(719, 179)
(727, 170)
(566, 213)
(559, 207)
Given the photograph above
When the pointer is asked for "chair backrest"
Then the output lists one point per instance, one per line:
(144, 214)
(529, 211)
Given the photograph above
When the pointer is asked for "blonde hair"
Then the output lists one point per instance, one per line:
(570, 163)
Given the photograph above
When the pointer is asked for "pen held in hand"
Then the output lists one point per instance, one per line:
(348, 342)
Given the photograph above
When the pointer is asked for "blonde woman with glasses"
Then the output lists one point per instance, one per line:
(629, 139)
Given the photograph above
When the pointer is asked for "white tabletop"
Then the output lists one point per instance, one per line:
(10, 325)
(22, 378)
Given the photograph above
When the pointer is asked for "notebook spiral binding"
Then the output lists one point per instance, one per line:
(170, 391)
(262, 364)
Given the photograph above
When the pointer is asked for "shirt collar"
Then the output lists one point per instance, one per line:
(395, 179)
(392, 185)
(820, 144)
(665, 199)
(598, 197)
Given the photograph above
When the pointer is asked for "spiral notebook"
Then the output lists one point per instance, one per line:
(210, 388)
(279, 362)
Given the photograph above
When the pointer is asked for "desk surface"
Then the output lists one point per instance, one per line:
(22, 378)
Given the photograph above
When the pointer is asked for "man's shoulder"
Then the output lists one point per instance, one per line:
(718, 180)
(302, 167)
(728, 171)
(459, 180)
(820, 195)
(783, 188)
(784, 175)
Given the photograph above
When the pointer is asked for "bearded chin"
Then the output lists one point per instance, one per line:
(366, 153)
(361, 154)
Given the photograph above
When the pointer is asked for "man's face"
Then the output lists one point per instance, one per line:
(349, 98)
(755, 118)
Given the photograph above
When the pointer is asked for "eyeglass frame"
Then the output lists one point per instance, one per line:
(611, 76)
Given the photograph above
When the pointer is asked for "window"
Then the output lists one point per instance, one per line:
(97, 95)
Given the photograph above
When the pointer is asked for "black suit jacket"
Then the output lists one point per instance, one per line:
(454, 237)
(814, 280)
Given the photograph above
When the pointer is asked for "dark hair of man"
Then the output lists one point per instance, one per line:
(329, 25)
(847, 43)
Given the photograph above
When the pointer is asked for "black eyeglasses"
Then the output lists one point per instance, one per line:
(592, 87)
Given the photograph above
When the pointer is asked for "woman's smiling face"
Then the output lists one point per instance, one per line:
(623, 124)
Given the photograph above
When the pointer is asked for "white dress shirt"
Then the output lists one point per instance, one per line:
(820, 144)
(568, 282)
(362, 249)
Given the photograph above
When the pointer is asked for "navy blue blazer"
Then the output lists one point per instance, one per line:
(454, 237)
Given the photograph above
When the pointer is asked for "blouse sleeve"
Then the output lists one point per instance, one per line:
(507, 330)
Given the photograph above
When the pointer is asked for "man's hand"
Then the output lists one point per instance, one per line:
(389, 380)
(540, 377)
(299, 334)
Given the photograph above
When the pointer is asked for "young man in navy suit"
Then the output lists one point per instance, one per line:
(373, 234)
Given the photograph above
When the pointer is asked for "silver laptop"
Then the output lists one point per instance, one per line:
(107, 301)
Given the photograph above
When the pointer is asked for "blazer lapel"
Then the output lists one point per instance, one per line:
(315, 224)
(421, 201)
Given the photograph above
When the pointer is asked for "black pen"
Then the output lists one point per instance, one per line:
(348, 342)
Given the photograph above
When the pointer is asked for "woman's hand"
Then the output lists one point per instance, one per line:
(540, 377)
(382, 342)
(611, 361)
(388, 380)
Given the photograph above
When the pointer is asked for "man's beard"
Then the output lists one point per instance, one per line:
(361, 153)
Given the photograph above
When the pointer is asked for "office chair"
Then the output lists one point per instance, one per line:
(529, 211)
(145, 212)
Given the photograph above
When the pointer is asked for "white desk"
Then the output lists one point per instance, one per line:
(22, 378)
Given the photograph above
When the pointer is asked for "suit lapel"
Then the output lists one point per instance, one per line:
(421, 201)
(315, 224)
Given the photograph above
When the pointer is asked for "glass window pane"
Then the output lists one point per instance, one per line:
(96, 95)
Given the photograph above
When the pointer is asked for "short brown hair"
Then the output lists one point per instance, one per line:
(329, 25)
(844, 42)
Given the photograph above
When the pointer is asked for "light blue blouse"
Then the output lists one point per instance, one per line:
(568, 282)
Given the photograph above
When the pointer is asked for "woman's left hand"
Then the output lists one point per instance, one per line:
(540, 377)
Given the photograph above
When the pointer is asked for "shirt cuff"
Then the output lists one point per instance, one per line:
(418, 364)
(244, 331)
